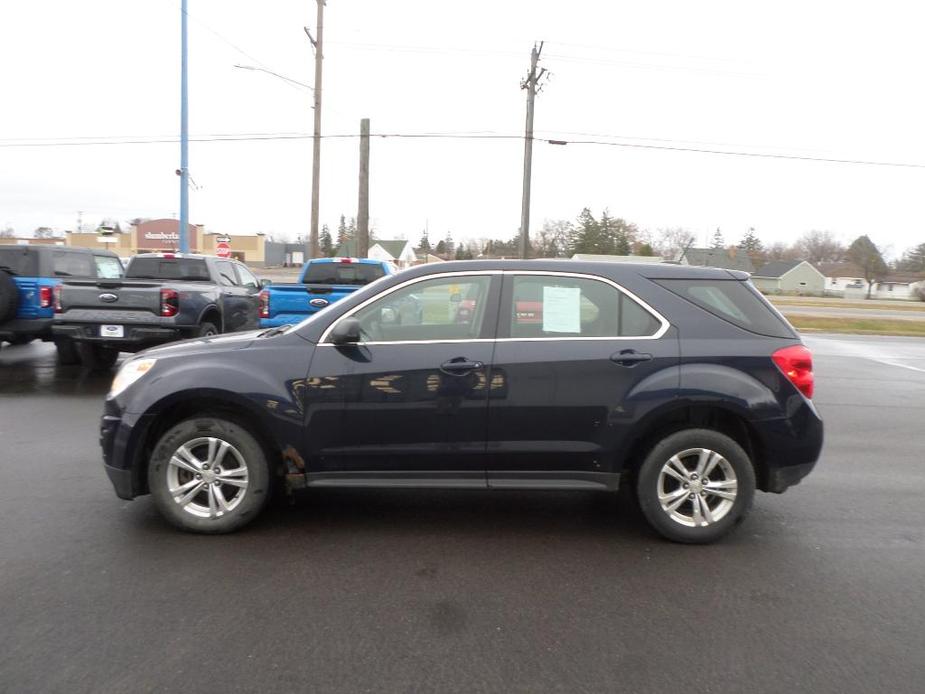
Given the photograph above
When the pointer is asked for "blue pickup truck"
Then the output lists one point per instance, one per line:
(321, 282)
(30, 278)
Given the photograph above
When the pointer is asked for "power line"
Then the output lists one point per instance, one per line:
(75, 142)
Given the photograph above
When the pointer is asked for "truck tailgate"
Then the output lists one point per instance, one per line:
(116, 295)
(291, 303)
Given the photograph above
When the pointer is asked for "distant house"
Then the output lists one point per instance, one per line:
(423, 258)
(795, 276)
(843, 279)
(847, 279)
(725, 258)
(398, 251)
(619, 258)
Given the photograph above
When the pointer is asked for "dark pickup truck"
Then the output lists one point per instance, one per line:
(162, 298)
(28, 277)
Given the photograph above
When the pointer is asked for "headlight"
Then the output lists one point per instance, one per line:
(130, 372)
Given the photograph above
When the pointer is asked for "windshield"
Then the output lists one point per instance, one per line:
(187, 269)
(342, 273)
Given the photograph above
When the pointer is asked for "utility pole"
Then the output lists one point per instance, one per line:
(316, 140)
(363, 206)
(184, 136)
(530, 84)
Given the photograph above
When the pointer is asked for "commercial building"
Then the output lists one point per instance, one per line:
(158, 235)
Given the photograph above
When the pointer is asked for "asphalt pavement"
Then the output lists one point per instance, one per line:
(821, 590)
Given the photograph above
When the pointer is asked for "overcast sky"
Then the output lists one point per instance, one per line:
(819, 79)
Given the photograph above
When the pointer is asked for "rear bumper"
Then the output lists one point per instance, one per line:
(781, 479)
(136, 336)
(789, 449)
(26, 327)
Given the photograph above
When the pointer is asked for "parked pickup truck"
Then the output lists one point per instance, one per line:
(162, 298)
(321, 282)
(28, 277)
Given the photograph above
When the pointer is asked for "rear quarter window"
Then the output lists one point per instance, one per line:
(734, 301)
(72, 264)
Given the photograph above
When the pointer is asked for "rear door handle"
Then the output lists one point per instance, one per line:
(460, 366)
(629, 357)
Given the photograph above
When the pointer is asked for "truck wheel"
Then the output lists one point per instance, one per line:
(209, 475)
(9, 296)
(695, 486)
(67, 352)
(96, 357)
(207, 330)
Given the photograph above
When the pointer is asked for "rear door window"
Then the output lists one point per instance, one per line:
(22, 261)
(107, 267)
(732, 300)
(186, 269)
(72, 264)
(561, 306)
(342, 273)
(226, 273)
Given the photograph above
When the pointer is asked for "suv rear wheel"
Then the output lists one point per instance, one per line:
(209, 475)
(695, 486)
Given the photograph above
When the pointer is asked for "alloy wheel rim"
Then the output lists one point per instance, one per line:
(697, 487)
(207, 477)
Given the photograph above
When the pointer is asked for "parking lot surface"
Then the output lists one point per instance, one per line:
(822, 589)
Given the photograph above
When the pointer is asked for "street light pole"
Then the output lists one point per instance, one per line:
(184, 135)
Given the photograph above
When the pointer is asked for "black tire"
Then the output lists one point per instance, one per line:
(648, 483)
(67, 352)
(207, 330)
(9, 296)
(97, 357)
(253, 497)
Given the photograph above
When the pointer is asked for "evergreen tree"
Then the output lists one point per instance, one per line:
(342, 237)
(913, 260)
(449, 245)
(752, 245)
(587, 233)
(326, 242)
(424, 245)
(863, 253)
(645, 249)
(718, 240)
(441, 248)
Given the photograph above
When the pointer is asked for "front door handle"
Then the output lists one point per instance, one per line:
(629, 357)
(460, 366)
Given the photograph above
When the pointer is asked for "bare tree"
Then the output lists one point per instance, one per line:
(7, 232)
(43, 233)
(672, 242)
(819, 247)
(552, 241)
(781, 251)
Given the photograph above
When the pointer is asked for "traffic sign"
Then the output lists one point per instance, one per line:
(223, 250)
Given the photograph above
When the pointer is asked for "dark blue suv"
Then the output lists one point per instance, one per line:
(681, 384)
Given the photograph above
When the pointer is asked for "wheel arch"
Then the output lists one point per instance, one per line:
(177, 407)
(211, 314)
(696, 415)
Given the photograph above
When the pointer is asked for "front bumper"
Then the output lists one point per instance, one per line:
(120, 433)
(136, 336)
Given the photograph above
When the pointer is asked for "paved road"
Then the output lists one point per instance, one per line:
(822, 590)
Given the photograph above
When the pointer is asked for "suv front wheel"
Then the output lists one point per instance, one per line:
(208, 475)
(695, 486)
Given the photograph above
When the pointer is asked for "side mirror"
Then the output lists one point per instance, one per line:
(264, 283)
(346, 331)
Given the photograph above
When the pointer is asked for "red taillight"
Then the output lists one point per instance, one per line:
(347, 260)
(170, 302)
(796, 363)
(57, 300)
(264, 304)
(45, 297)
